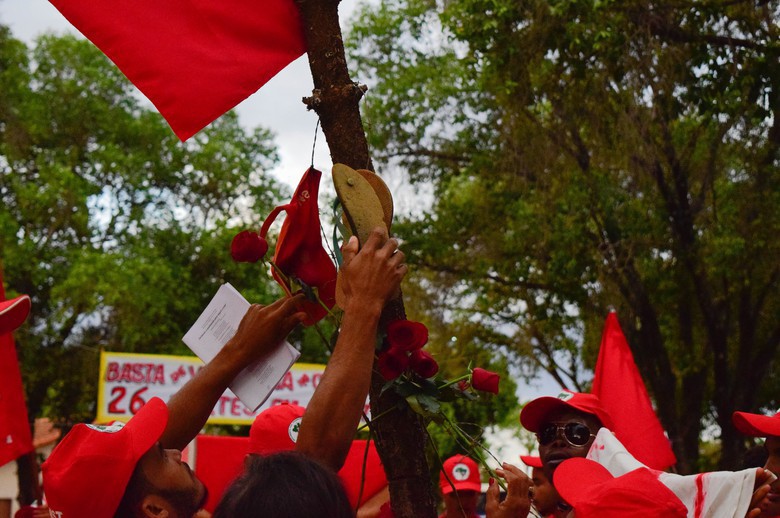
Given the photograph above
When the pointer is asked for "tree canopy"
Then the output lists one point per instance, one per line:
(118, 232)
(589, 154)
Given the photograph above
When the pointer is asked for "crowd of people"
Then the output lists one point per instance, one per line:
(581, 471)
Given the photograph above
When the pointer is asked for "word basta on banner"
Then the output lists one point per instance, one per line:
(128, 381)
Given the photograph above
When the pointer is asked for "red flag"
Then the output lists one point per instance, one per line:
(194, 59)
(15, 436)
(622, 392)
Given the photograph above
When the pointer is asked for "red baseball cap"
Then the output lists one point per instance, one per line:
(275, 429)
(88, 471)
(533, 414)
(757, 425)
(593, 492)
(13, 313)
(531, 461)
(353, 474)
(463, 472)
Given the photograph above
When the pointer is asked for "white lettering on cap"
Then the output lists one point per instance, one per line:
(113, 428)
(460, 472)
(293, 429)
(565, 396)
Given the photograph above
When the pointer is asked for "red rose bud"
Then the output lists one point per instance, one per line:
(485, 381)
(423, 363)
(248, 247)
(407, 335)
(392, 363)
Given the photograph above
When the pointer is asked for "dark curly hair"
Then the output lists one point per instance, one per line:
(285, 485)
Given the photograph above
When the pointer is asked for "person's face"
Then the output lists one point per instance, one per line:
(468, 501)
(772, 446)
(545, 496)
(173, 479)
(559, 449)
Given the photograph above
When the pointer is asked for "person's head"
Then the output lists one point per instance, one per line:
(460, 484)
(565, 426)
(285, 485)
(756, 425)
(121, 471)
(275, 429)
(545, 498)
(593, 492)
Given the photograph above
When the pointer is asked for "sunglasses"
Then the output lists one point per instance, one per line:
(576, 434)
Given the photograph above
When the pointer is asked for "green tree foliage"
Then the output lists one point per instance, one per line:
(119, 233)
(588, 154)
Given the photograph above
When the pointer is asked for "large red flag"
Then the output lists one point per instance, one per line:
(194, 59)
(620, 388)
(15, 436)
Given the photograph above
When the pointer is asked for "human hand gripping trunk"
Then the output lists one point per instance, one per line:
(260, 332)
(370, 278)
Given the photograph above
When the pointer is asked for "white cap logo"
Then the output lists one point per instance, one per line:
(115, 427)
(294, 428)
(460, 472)
(565, 396)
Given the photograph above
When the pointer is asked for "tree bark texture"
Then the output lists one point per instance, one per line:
(400, 434)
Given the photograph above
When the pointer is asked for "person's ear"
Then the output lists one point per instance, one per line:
(155, 506)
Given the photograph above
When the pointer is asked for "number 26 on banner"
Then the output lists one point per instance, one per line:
(120, 403)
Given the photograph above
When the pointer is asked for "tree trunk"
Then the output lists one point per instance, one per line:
(401, 436)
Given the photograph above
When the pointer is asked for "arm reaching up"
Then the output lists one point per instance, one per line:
(370, 278)
(261, 330)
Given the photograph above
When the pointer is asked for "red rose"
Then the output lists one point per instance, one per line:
(485, 381)
(248, 247)
(423, 363)
(392, 363)
(407, 335)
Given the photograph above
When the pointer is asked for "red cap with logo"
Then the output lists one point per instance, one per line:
(275, 429)
(533, 415)
(88, 471)
(757, 425)
(593, 492)
(459, 473)
(13, 313)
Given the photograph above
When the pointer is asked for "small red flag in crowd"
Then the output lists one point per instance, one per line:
(193, 59)
(15, 436)
(622, 393)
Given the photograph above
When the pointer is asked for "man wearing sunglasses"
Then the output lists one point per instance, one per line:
(565, 426)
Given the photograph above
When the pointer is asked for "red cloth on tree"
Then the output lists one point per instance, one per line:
(299, 253)
(194, 59)
(622, 393)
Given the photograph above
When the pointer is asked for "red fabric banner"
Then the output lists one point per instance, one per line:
(622, 392)
(15, 436)
(193, 59)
